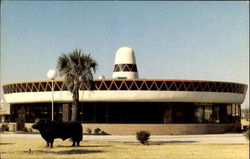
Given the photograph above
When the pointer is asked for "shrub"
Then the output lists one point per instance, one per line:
(89, 131)
(104, 133)
(30, 130)
(97, 130)
(143, 137)
(247, 134)
(25, 129)
(5, 127)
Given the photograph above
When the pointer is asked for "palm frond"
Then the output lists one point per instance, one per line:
(63, 65)
(76, 67)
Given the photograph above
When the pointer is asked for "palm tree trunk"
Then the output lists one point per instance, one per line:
(74, 115)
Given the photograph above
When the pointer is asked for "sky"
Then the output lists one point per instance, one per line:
(171, 40)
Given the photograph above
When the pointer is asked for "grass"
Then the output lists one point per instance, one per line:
(23, 149)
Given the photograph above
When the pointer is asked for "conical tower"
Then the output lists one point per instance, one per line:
(125, 64)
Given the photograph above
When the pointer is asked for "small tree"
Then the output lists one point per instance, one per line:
(143, 137)
(5, 127)
(89, 131)
(76, 68)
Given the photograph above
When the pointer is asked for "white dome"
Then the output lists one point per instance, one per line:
(52, 74)
(125, 55)
(125, 64)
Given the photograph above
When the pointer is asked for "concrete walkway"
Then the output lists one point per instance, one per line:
(210, 138)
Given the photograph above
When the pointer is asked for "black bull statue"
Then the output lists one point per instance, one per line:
(51, 130)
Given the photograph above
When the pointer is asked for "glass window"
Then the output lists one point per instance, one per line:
(237, 110)
(229, 110)
(199, 114)
(208, 114)
(233, 110)
(216, 114)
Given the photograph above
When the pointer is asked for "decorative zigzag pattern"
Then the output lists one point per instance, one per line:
(125, 68)
(131, 85)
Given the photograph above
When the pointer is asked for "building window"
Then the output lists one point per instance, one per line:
(199, 113)
(233, 110)
(216, 114)
(229, 110)
(237, 110)
(208, 114)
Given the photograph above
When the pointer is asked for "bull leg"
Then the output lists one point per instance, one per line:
(78, 143)
(47, 144)
(51, 143)
(74, 142)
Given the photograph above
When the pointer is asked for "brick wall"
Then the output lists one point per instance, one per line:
(163, 129)
(160, 129)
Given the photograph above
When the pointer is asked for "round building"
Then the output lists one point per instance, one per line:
(126, 104)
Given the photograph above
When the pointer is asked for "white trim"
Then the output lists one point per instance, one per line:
(127, 96)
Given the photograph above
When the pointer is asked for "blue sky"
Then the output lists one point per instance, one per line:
(172, 40)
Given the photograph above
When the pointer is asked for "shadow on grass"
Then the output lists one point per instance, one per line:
(173, 141)
(78, 152)
(86, 146)
(64, 152)
(7, 143)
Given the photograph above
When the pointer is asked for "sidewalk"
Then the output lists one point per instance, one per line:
(209, 138)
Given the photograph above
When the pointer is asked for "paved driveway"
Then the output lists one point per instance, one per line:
(213, 138)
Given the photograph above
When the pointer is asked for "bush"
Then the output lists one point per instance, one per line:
(30, 130)
(143, 137)
(97, 130)
(247, 134)
(25, 129)
(5, 127)
(104, 133)
(89, 131)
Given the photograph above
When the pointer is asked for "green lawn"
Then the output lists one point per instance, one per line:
(121, 150)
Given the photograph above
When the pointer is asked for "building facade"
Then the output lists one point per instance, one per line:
(126, 104)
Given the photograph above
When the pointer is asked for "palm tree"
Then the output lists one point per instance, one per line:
(76, 67)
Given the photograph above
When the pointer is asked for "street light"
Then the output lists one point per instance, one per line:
(2, 107)
(51, 74)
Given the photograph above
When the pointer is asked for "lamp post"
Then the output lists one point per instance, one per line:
(51, 74)
(1, 107)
